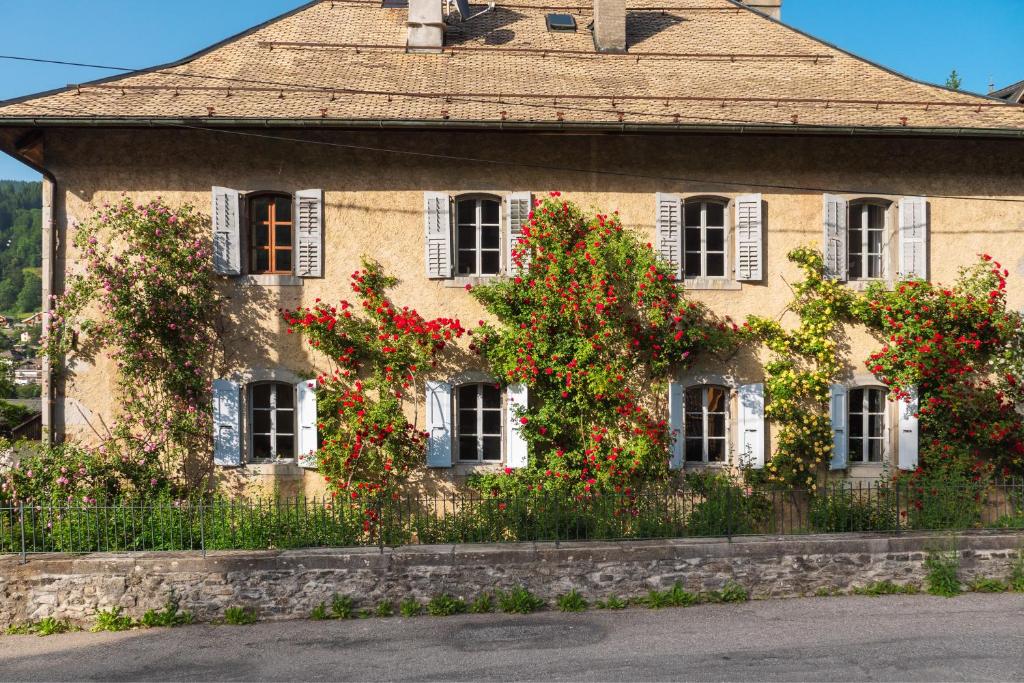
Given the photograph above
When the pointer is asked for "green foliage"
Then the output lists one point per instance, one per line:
(410, 607)
(240, 616)
(611, 602)
(445, 605)
(483, 604)
(112, 620)
(20, 246)
(385, 608)
(48, 626)
(887, 587)
(983, 585)
(730, 592)
(676, 596)
(365, 613)
(953, 81)
(805, 361)
(19, 630)
(841, 508)
(319, 613)
(590, 323)
(572, 602)
(341, 607)
(724, 506)
(519, 600)
(942, 573)
(1016, 581)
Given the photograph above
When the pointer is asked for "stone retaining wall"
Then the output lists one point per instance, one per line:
(289, 584)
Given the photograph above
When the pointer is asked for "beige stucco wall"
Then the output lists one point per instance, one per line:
(374, 206)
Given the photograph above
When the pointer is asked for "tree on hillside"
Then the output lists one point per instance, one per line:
(31, 295)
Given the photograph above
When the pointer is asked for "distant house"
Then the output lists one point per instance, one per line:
(29, 372)
(32, 320)
(1014, 94)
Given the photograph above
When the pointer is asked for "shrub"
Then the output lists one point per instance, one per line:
(385, 608)
(445, 605)
(572, 602)
(319, 613)
(942, 576)
(410, 608)
(112, 620)
(1017, 573)
(519, 600)
(169, 617)
(982, 585)
(724, 506)
(842, 509)
(341, 607)
(482, 605)
(240, 616)
(612, 602)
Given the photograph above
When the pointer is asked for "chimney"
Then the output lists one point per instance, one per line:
(610, 25)
(773, 8)
(426, 26)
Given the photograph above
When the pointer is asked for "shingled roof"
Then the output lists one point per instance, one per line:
(690, 63)
(1011, 93)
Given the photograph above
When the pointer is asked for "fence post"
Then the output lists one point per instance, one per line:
(21, 514)
(202, 528)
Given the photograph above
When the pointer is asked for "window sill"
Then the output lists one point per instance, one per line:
(703, 466)
(711, 283)
(862, 285)
(461, 281)
(467, 468)
(270, 280)
(285, 469)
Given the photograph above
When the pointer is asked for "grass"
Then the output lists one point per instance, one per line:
(445, 605)
(49, 626)
(112, 620)
(886, 587)
(572, 602)
(240, 616)
(942, 578)
(982, 585)
(519, 600)
(168, 617)
(1017, 573)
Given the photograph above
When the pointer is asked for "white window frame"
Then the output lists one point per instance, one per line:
(864, 416)
(704, 387)
(478, 410)
(726, 204)
(478, 249)
(250, 409)
(858, 208)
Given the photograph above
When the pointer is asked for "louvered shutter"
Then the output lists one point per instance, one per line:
(305, 394)
(227, 422)
(837, 406)
(518, 397)
(751, 425)
(437, 214)
(519, 205)
(227, 234)
(913, 238)
(834, 245)
(749, 238)
(669, 229)
(908, 441)
(309, 233)
(675, 424)
(439, 424)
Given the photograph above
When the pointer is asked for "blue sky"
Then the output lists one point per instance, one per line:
(924, 39)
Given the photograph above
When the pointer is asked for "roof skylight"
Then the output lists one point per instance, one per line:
(561, 23)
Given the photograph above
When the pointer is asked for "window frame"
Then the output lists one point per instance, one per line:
(478, 410)
(861, 208)
(705, 461)
(250, 409)
(478, 249)
(250, 240)
(727, 207)
(864, 415)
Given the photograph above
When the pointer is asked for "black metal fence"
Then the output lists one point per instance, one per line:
(715, 510)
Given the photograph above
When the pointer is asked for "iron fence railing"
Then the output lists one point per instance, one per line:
(713, 510)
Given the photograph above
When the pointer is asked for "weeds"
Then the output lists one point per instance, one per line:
(572, 602)
(410, 608)
(942, 576)
(887, 587)
(484, 604)
(731, 592)
(44, 627)
(981, 585)
(519, 601)
(112, 620)
(676, 596)
(1017, 573)
(319, 613)
(341, 607)
(445, 605)
(168, 617)
(385, 609)
(240, 616)
(612, 602)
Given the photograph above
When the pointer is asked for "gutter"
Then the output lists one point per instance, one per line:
(559, 126)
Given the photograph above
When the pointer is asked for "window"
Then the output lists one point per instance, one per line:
(865, 241)
(478, 236)
(271, 234)
(704, 429)
(704, 238)
(867, 424)
(561, 23)
(478, 425)
(272, 420)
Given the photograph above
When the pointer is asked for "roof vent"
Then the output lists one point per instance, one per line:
(561, 23)
(426, 26)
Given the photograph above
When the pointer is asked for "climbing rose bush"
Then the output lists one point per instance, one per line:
(591, 322)
(147, 299)
(378, 354)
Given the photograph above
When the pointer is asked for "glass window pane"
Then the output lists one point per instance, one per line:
(875, 450)
(692, 239)
(856, 450)
(716, 425)
(716, 239)
(876, 217)
(261, 260)
(853, 241)
(467, 448)
(260, 235)
(716, 450)
(467, 237)
(285, 396)
(467, 211)
(467, 262)
(875, 425)
(260, 208)
(691, 213)
(283, 209)
(286, 422)
(716, 399)
(876, 400)
(856, 425)
(856, 398)
(492, 448)
(285, 446)
(492, 422)
(467, 422)
(489, 211)
(855, 263)
(492, 396)
(715, 214)
(283, 235)
(875, 241)
(694, 425)
(284, 260)
(467, 396)
(692, 265)
(261, 422)
(490, 262)
(694, 450)
(489, 238)
(716, 265)
(261, 395)
(261, 447)
(694, 399)
(874, 266)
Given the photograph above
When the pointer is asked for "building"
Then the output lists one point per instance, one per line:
(1014, 94)
(29, 372)
(711, 115)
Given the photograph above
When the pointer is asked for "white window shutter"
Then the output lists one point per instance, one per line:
(305, 401)
(227, 232)
(669, 232)
(749, 238)
(908, 445)
(834, 245)
(750, 444)
(518, 397)
(309, 233)
(437, 213)
(840, 417)
(676, 398)
(913, 238)
(519, 206)
(227, 423)
(439, 424)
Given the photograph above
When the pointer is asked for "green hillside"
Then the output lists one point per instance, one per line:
(20, 247)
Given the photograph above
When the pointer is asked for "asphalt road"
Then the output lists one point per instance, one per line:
(973, 637)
